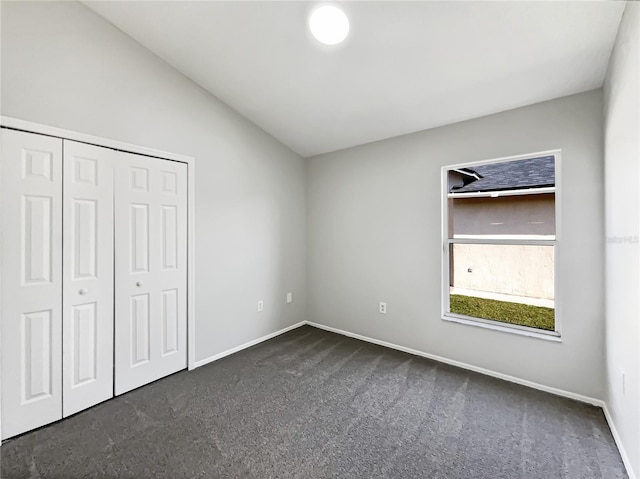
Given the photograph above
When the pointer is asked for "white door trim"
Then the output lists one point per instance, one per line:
(38, 128)
(41, 129)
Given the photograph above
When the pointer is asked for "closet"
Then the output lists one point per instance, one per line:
(93, 278)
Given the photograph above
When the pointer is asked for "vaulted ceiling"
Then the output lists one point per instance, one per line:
(405, 67)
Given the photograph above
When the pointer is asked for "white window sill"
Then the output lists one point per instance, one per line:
(496, 326)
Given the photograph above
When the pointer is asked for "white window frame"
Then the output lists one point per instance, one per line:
(542, 240)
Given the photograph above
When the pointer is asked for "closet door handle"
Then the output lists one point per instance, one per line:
(83, 291)
(139, 283)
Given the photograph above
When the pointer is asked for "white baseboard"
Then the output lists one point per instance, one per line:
(488, 372)
(215, 357)
(616, 438)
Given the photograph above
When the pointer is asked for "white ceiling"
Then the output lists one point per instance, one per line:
(405, 67)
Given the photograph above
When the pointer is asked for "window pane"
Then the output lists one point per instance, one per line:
(529, 215)
(508, 283)
(509, 199)
(531, 173)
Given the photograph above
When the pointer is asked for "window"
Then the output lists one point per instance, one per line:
(499, 232)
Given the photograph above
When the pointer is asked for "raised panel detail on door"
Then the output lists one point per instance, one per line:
(139, 179)
(85, 224)
(85, 343)
(139, 238)
(140, 329)
(37, 164)
(169, 182)
(169, 245)
(170, 326)
(151, 269)
(36, 346)
(87, 276)
(31, 281)
(36, 239)
(86, 171)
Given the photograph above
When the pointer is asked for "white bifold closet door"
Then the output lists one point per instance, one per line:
(87, 304)
(150, 269)
(31, 309)
(94, 249)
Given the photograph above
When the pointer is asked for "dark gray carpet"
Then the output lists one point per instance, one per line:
(313, 404)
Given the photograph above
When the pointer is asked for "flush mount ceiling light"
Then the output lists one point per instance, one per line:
(329, 24)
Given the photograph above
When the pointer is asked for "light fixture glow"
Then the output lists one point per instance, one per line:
(329, 24)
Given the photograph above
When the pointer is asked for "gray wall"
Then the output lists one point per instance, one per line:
(62, 65)
(622, 211)
(374, 234)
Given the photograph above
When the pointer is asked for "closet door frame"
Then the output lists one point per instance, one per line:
(37, 128)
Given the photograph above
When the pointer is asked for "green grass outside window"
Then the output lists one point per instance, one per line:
(513, 313)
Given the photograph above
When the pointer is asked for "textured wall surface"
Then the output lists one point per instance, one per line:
(519, 270)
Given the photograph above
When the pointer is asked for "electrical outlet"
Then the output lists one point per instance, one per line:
(260, 305)
(382, 308)
(289, 298)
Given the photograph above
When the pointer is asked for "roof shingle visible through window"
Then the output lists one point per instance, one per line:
(511, 175)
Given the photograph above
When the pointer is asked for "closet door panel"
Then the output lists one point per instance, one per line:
(31, 307)
(88, 276)
(151, 269)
